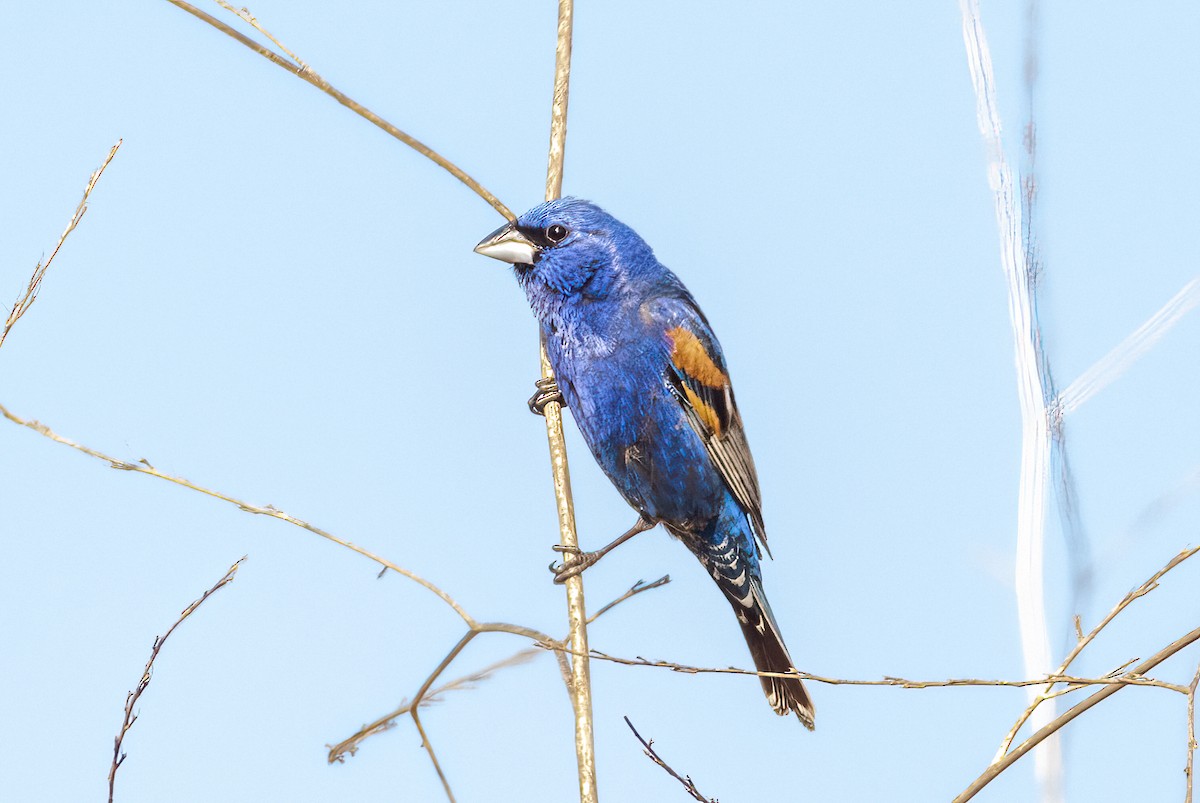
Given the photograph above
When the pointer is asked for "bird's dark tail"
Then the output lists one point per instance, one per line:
(770, 654)
(727, 552)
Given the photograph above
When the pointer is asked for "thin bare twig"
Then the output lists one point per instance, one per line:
(688, 785)
(634, 590)
(1056, 724)
(26, 301)
(1118, 679)
(133, 696)
(245, 15)
(306, 73)
(1137, 593)
(143, 467)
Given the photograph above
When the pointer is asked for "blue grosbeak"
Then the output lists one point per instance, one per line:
(643, 374)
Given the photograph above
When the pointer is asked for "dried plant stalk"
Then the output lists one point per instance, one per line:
(581, 681)
(30, 295)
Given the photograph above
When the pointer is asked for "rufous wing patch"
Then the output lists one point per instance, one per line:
(689, 356)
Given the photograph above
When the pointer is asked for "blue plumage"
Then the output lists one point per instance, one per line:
(643, 374)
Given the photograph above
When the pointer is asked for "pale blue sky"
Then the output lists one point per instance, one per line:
(267, 292)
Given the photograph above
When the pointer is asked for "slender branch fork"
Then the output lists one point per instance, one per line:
(349, 746)
(132, 698)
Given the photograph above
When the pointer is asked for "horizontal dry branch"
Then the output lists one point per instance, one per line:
(1116, 679)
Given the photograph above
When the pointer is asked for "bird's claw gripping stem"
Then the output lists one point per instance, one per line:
(575, 560)
(547, 391)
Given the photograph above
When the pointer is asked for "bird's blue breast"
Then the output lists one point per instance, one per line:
(614, 381)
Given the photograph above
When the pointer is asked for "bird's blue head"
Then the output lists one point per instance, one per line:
(569, 250)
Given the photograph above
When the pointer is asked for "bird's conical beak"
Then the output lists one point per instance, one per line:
(509, 245)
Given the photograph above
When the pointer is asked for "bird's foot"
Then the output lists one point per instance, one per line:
(575, 561)
(547, 391)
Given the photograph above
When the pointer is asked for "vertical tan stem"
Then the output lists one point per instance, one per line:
(558, 111)
(581, 681)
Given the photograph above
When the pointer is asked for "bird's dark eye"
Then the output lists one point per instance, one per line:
(556, 233)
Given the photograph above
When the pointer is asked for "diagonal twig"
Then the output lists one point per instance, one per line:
(133, 696)
(26, 301)
(635, 589)
(688, 785)
(245, 15)
(301, 70)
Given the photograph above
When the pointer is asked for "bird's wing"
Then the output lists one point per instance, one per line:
(698, 378)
